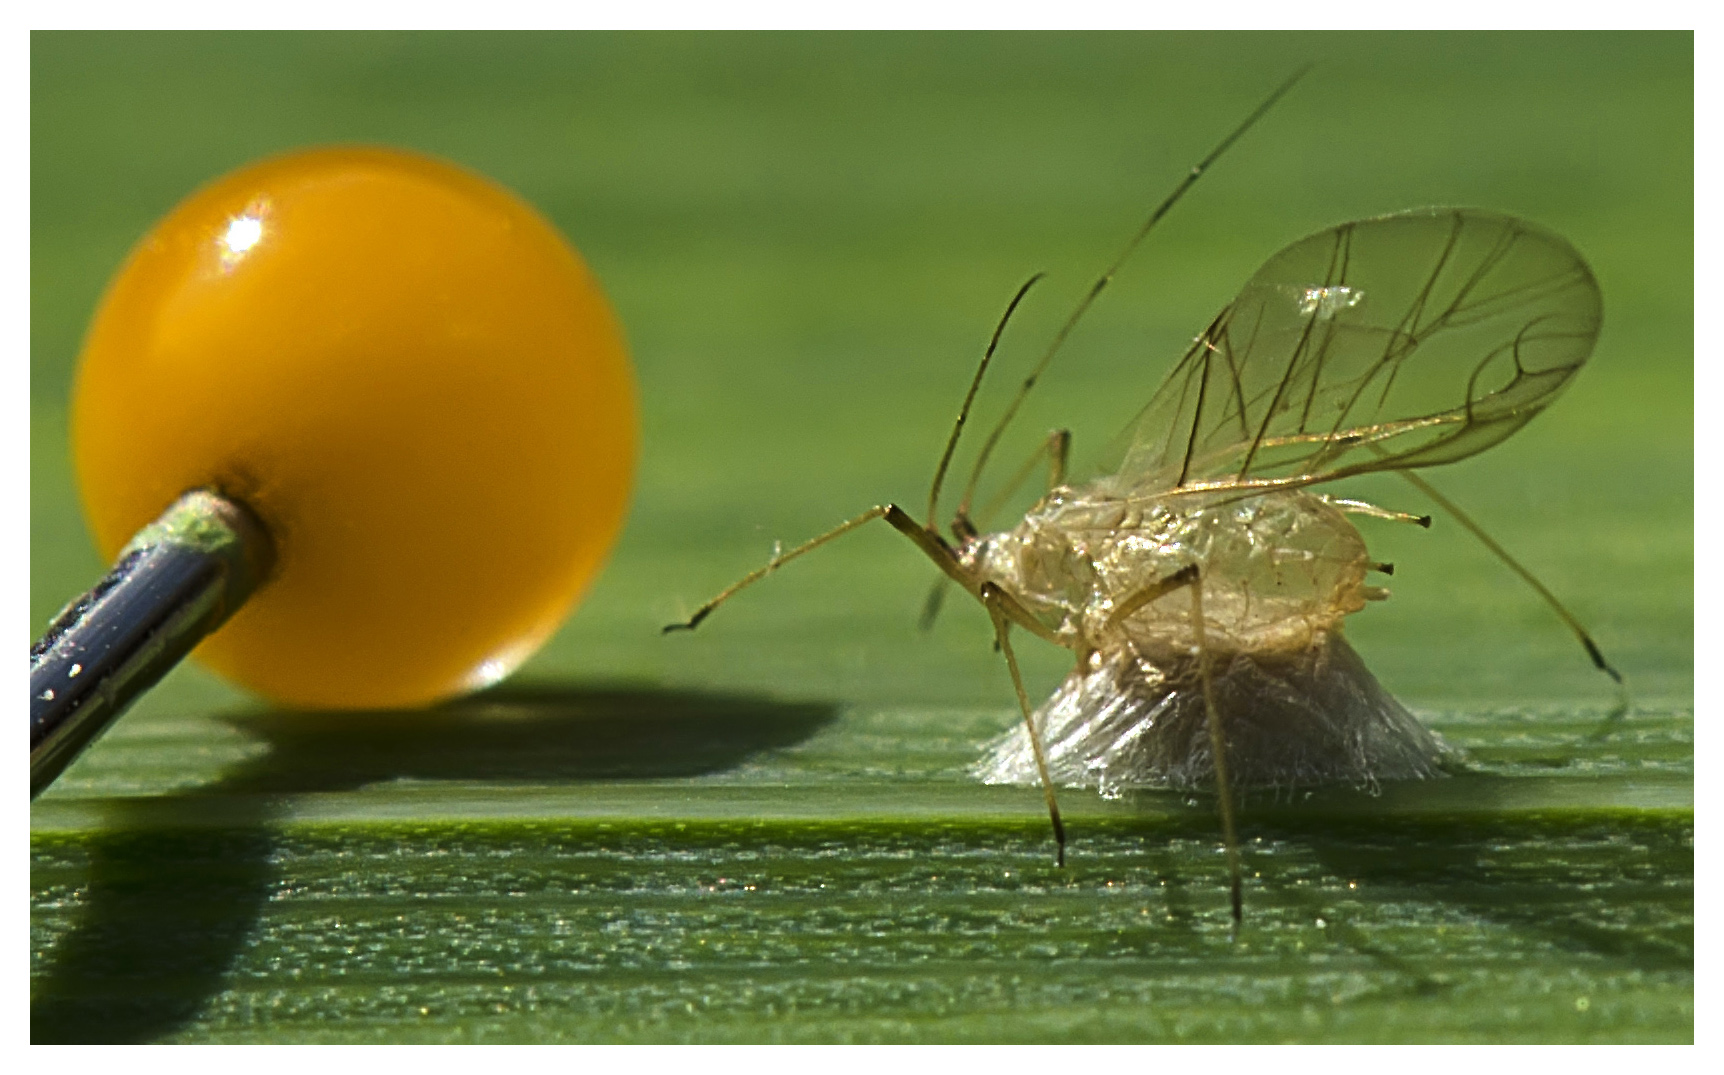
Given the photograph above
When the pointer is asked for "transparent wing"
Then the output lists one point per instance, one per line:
(1403, 341)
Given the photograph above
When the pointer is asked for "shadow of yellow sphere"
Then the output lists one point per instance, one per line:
(414, 381)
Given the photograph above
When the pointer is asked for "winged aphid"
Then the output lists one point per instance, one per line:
(1202, 583)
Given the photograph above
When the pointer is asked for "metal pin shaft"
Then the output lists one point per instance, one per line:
(178, 580)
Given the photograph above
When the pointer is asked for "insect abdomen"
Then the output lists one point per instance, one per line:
(1277, 570)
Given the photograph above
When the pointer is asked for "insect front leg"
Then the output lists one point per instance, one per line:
(999, 605)
(925, 539)
(1056, 449)
(1192, 576)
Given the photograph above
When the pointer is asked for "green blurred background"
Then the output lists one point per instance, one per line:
(765, 831)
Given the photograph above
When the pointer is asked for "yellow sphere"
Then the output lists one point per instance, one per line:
(409, 376)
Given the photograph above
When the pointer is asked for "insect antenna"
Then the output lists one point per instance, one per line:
(970, 397)
(937, 593)
(1107, 276)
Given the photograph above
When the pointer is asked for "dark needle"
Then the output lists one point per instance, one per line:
(179, 579)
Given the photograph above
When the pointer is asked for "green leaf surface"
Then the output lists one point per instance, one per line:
(767, 830)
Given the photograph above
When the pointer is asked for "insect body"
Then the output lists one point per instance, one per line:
(1279, 573)
(1202, 581)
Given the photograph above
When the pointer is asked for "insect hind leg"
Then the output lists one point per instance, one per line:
(1567, 617)
(1218, 749)
(1192, 576)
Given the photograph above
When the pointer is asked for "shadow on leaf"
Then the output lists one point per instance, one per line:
(169, 902)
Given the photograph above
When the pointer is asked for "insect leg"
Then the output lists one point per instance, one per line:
(995, 600)
(1057, 449)
(1218, 750)
(932, 603)
(1191, 576)
(929, 542)
(1185, 576)
(1514, 565)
